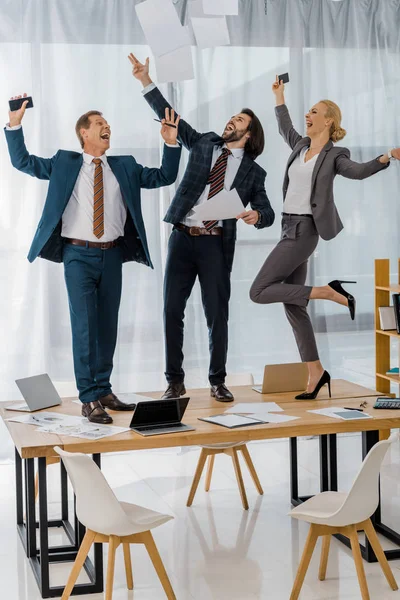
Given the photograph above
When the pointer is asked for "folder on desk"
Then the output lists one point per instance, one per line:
(232, 421)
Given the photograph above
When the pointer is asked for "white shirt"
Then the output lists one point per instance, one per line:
(77, 219)
(297, 201)
(234, 161)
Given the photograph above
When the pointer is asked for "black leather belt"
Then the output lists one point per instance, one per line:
(100, 245)
(197, 231)
(295, 215)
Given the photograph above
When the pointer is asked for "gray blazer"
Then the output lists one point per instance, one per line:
(332, 161)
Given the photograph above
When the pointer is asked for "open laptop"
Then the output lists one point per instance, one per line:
(290, 377)
(160, 416)
(38, 392)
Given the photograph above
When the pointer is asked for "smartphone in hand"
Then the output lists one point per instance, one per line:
(284, 78)
(18, 102)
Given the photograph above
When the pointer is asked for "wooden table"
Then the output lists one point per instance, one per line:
(31, 445)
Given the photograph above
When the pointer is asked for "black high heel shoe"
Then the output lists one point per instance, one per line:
(336, 285)
(325, 379)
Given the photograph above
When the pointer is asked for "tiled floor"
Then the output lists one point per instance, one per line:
(215, 550)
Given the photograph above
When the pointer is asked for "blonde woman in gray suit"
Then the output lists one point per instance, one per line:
(309, 212)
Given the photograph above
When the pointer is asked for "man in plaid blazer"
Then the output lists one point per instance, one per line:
(206, 249)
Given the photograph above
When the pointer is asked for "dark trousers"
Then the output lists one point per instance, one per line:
(190, 257)
(94, 280)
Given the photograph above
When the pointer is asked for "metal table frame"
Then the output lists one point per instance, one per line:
(41, 555)
(329, 482)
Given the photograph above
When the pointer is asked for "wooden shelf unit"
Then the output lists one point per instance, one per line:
(383, 297)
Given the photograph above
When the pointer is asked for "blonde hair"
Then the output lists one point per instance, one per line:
(333, 112)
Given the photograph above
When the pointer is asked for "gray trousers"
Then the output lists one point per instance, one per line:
(282, 278)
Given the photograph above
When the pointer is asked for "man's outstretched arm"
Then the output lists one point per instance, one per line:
(187, 135)
(19, 155)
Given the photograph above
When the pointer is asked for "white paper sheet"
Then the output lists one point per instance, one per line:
(328, 412)
(195, 9)
(175, 66)
(211, 32)
(221, 7)
(272, 417)
(42, 418)
(254, 408)
(162, 27)
(88, 431)
(225, 205)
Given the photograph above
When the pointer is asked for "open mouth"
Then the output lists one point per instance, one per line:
(229, 128)
(105, 136)
(308, 123)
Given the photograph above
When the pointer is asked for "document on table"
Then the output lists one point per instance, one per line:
(210, 32)
(175, 66)
(225, 205)
(254, 408)
(337, 412)
(221, 7)
(161, 25)
(267, 417)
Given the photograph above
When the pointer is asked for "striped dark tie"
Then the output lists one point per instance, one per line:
(98, 199)
(216, 180)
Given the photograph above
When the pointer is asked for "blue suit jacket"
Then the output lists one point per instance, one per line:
(249, 181)
(62, 171)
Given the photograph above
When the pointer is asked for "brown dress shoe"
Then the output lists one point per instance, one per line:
(174, 390)
(221, 393)
(96, 413)
(113, 403)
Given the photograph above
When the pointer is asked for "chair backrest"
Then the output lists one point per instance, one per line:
(363, 498)
(97, 507)
(239, 379)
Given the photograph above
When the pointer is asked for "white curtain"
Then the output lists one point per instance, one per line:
(71, 56)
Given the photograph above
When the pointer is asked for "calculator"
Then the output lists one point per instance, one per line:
(387, 403)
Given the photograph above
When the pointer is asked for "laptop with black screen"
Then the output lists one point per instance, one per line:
(156, 417)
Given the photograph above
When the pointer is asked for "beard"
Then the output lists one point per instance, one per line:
(232, 136)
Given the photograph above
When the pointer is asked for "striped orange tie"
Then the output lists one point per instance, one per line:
(98, 200)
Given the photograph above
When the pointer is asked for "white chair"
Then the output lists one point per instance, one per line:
(107, 520)
(337, 512)
(231, 450)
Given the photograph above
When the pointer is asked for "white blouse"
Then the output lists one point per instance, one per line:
(297, 201)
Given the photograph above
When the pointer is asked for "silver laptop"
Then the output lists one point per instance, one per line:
(38, 392)
(289, 377)
(156, 417)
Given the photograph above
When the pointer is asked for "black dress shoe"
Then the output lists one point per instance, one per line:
(221, 393)
(336, 285)
(325, 378)
(113, 403)
(96, 413)
(174, 390)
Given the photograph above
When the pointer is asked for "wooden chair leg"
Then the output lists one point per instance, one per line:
(304, 562)
(250, 466)
(112, 547)
(380, 555)
(210, 467)
(238, 472)
(197, 475)
(355, 546)
(128, 566)
(78, 564)
(326, 542)
(158, 564)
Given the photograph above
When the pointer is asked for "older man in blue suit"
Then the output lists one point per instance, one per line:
(92, 221)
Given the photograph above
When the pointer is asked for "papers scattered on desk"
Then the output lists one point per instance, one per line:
(273, 418)
(51, 422)
(225, 205)
(221, 7)
(210, 32)
(254, 408)
(337, 412)
(162, 27)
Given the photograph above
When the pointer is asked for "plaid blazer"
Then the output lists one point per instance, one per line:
(249, 181)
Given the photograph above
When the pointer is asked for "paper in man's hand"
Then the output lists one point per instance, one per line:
(225, 205)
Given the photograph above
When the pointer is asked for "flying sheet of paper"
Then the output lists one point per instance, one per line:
(254, 408)
(221, 7)
(225, 205)
(175, 66)
(161, 25)
(211, 32)
(195, 9)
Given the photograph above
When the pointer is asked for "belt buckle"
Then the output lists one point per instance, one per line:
(195, 231)
(104, 246)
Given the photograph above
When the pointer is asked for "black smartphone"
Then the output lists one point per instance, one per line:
(18, 102)
(284, 77)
